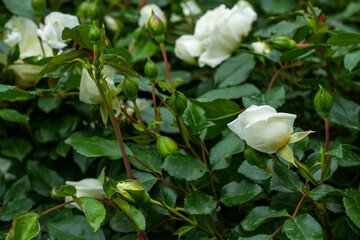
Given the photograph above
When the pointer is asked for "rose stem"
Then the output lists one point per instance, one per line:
(300, 165)
(128, 115)
(56, 207)
(166, 64)
(155, 107)
(279, 71)
(41, 42)
(137, 110)
(326, 137)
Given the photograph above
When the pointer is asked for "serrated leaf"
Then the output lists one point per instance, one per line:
(12, 115)
(20, 7)
(120, 64)
(97, 147)
(48, 104)
(298, 52)
(183, 230)
(16, 148)
(287, 177)
(80, 34)
(229, 93)
(345, 113)
(257, 237)
(199, 203)
(133, 213)
(351, 60)
(253, 172)
(24, 227)
(352, 205)
(14, 208)
(184, 167)
(235, 193)
(303, 227)
(258, 215)
(321, 191)
(94, 211)
(274, 97)
(344, 39)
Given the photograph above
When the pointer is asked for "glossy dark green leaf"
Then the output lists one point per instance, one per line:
(230, 144)
(277, 6)
(303, 227)
(133, 213)
(229, 93)
(235, 193)
(274, 97)
(148, 180)
(349, 158)
(120, 51)
(18, 190)
(119, 223)
(62, 149)
(80, 34)
(183, 230)
(21, 8)
(352, 205)
(24, 227)
(344, 39)
(16, 148)
(283, 28)
(82, 161)
(96, 147)
(4, 48)
(15, 207)
(257, 237)
(11, 115)
(351, 60)
(48, 104)
(94, 211)
(120, 64)
(74, 227)
(68, 126)
(321, 191)
(147, 155)
(199, 203)
(258, 215)
(253, 172)
(143, 49)
(345, 113)
(235, 70)
(288, 177)
(299, 52)
(184, 167)
(164, 193)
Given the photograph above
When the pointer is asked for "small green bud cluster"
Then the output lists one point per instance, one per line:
(283, 43)
(132, 191)
(166, 146)
(130, 88)
(151, 70)
(156, 27)
(38, 6)
(178, 103)
(94, 33)
(323, 102)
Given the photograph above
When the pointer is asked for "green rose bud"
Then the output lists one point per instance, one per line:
(93, 11)
(323, 102)
(130, 88)
(94, 33)
(132, 191)
(166, 146)
(178, 103)
(151, 70)
(157, 28)
(283, 43)
(254, 157)
(38, 6)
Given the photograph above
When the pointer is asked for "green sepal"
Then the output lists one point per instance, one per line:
(287, 153)
(298, 136)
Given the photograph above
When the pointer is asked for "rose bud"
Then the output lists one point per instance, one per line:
(323, 102)
(283, 43)
(166, 146)
(178, 103)
(38, 6)
(151, 70)
(130, 88)
(132, 191)
(156, 27)
(94, 33)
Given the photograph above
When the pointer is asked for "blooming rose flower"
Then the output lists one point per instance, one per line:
(260, 47)
(55, 23)
(263, 128)
(187, 48)
(88, 187)
(25, 74)
(145, 14)
(88, 91)
(22, 31)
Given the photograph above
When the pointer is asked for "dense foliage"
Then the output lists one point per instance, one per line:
(114, 119)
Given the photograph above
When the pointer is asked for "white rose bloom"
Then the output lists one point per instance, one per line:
(190, 8)
(263, 128)
(260, 47)
(55, 23)
(88, 187)
(187, 47)
(145, 14)
(22, 31)
(88, 91)
(25, 74)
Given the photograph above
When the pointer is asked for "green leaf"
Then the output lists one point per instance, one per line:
(283, 28)
(18, 190)
(257, 237)
(199, 203)
(235, 193)
(42, 178)
(15, 207)
(253, 172)
(97, 147)
(349, 11)
(235, 70)
(75, 228)
(20, 7)
(287, 153)
(80, 34)
(352, 205)
(24, 227)
(133, 213)
(65, 190)
(194, 118)
(274, 97)
(321, 191)
(60, 64)
(303, 227)
(184, 167)
(119, 223)
(11, 94)
(258, 215)
(120, 64)
(230, 145)
(94, 211)
(16, 148)
(148, 180)
(299, 52)
(147, 155)
(165, 194)
(48, 104)
(12, 115)
(288, 178)
(143, 49)
(183, 230)
(349, 159)
(120, 51)
(229, 93)
(345, 113)
(351, 60)
(68, 126)
(4, 48)
(344, 39)
(277, 6)
(298, 136)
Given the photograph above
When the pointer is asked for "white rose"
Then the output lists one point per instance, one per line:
(263, 128)
(145, 14)
(25, 74)
(190, 8)
(88, 187)
(260, 47)
(22, 31)
(187, 47)
(55, 23)
(88, 91)
(4, 167)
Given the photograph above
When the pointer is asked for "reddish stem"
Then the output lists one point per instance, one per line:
(56, 207)
(166, 63)
(298, 206)
(326, 138)
(128, 115)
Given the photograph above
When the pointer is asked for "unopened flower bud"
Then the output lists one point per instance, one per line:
(166, 146)
(283, 43)
(323, 102)
(38, 6)
(94, 33)
(178, 103)
(254, 157)
(132, 191)
(93, 11)
(151, 70)
(130, 87)
(157, 28)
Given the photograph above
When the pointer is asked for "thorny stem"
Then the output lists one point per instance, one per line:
(56, 207)
(128, 115)
(163, 222)
(210, 171)
(166, 63)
